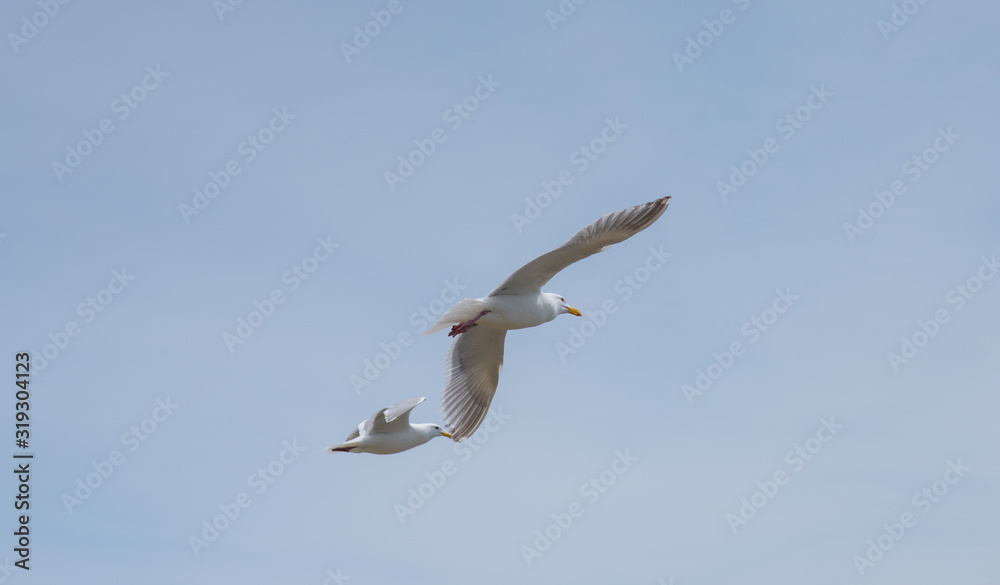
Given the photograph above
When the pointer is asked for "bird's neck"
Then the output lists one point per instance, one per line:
(425, 430)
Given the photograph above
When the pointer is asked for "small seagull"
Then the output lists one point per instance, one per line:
(480, 325)
(389, 431)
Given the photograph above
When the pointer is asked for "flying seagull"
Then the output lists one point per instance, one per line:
(389, 431)
(476, 356)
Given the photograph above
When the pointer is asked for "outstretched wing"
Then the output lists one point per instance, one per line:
(368, 425)
(596, 237)
(388, 420)
(398, 415)
(474, 363)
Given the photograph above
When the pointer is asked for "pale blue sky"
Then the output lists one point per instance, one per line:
(307, 212)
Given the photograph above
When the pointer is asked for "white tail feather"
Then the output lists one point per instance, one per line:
(463, 310)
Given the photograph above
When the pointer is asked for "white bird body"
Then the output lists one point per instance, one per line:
(505, 311)
(389, 443)
(389, 431)
(475, 358)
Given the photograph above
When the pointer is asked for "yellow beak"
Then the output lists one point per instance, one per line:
(446, 433)
(574, 311)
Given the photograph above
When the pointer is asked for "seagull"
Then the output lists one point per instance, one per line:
(389, 431)
(476, 356)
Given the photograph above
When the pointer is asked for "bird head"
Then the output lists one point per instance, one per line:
(564, 308)
(436, 430)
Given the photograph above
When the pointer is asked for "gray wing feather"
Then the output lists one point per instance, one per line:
(387, 420)
(473, 371)
(365, 428)
(612, 228)
(399, 414)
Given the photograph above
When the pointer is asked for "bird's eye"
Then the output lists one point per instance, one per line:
(562, 299)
